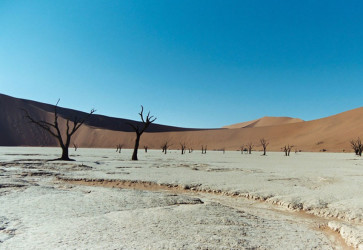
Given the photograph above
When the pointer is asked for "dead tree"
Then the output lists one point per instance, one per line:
(204, 149)
(119, 147)
(287, 149)
(264, 144)
(357, 146)
(242, 148)
(165, 147)
(250, 147)
(146, 147)
(140, 130)
(75, 147)
(183, 147)
(53, 129)
(354, 146)
(190, 150)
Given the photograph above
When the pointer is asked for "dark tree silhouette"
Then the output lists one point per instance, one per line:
(165, 146)
(146, 147)
(250, 147)
(357, 146)
(204, 149)
(287, 149)
(119, 147)
(264, 144)
(54, 130)
(183, 147)
(75, 146)
(139, 131)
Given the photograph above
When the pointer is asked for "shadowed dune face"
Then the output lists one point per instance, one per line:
(332, 133)
(15, 130)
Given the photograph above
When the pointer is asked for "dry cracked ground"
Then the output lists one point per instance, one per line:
(105, 201)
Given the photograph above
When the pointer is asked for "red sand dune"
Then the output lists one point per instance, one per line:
(331, 133)
(264, 122)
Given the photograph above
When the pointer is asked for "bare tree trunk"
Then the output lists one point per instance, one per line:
(183, 147)
(250, 147)
(119, 148)
(165, 147)
(65, 156)
(137, 142)
(285, 149)
(65, 148)
(264, 144)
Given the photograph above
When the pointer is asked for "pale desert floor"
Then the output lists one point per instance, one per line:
(193, 201)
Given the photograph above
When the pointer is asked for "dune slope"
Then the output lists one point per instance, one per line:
(15, 130)
(264, 122)
(331, 133)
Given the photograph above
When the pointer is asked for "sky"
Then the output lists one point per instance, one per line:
(201, 64)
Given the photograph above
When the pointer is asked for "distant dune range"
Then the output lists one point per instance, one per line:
(331, 133)
(264, 122)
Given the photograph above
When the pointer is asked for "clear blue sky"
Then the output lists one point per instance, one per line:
(192, 63)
